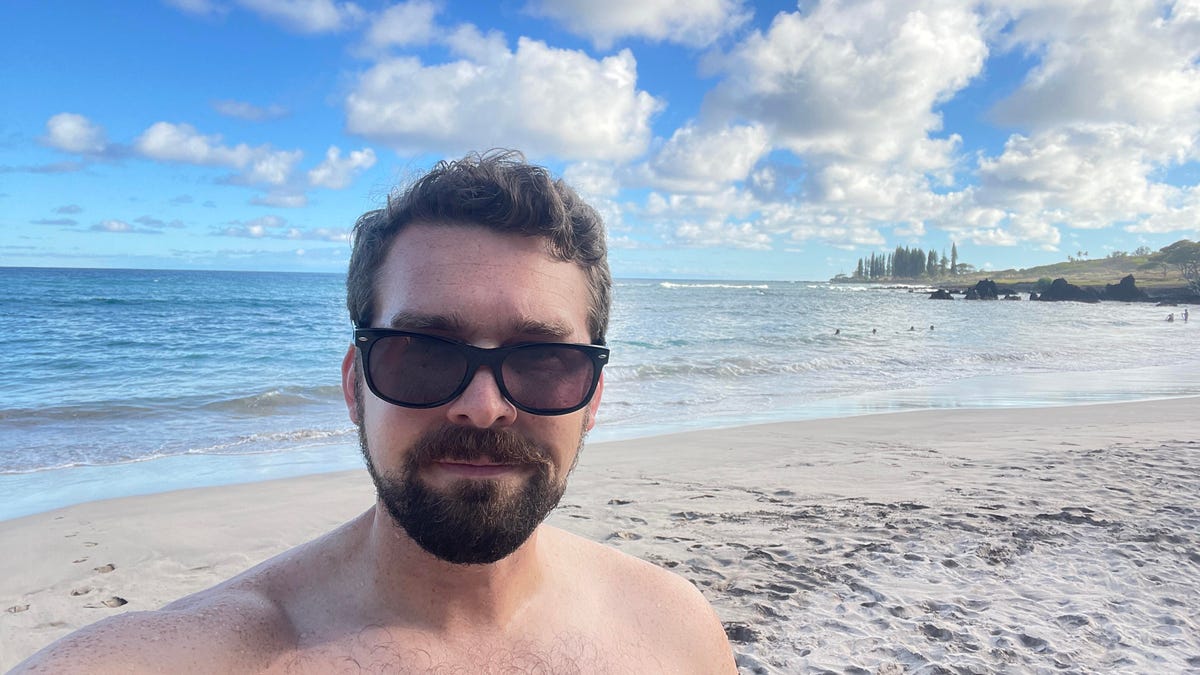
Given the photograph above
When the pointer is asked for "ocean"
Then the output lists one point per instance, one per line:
(120, 382)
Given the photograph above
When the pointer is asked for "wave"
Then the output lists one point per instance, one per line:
(276, 399)
(248, 444)
(675, 284)
(852, 364)
(265, 402)
(253, 444)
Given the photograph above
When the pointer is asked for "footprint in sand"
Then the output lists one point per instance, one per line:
(105, 569)
(83, 559)
(17, 609)
(90, 544)
(81, 591)
(114, 601)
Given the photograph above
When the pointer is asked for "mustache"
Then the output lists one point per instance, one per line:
(500, 446)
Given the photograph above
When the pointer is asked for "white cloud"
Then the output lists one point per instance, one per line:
(468, 42)
(855, 80)
(122, 227)
(336, 173)
(597, 184)
(592, 179)
(248, 111)
(718, 233)
(256, 228)
(158, 223)
(1111, 104)
(1130, 62)
(112, 226)
(705, 161)
(403, 25)
(696, 23)
(197, 7)
(1096, 174)
(169, 142)
(274, 227)
(282, 199)
(543, 100)
(1181, 215)
(307, 16)
(71, 132)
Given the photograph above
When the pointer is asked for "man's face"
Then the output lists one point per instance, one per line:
(471, 480)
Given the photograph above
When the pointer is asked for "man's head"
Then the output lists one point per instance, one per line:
(499, 192)
(487, 253)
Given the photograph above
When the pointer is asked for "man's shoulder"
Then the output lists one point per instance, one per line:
(652, 601)
(223, 629)
(240, 625)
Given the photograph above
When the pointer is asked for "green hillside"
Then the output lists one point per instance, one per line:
(1172, 267)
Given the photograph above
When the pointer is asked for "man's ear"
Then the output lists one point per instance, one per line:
(350, 387)
(594, 404)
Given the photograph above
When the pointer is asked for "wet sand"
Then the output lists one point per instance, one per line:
(1052, 539)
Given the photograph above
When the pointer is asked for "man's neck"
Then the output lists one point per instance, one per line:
(409, 581)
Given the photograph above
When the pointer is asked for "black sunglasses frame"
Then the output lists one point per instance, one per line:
(365, 339)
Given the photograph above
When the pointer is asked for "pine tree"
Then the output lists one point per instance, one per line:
(953, 258)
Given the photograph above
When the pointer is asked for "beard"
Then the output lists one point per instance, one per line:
(471, 522)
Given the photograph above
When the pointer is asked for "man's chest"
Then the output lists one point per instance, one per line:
(382, 650)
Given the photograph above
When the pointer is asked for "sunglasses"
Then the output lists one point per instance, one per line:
(414, 370)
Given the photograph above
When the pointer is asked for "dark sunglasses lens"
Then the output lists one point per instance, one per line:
(416, 370)
(548, 377)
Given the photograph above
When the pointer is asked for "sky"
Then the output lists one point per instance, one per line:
(719, 139)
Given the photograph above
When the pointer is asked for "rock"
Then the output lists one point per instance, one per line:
(983, 290)
(941, 294)
(1125, 291)
(1061, 290)
(1033, 295)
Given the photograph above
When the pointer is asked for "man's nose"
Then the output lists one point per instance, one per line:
(482, 405)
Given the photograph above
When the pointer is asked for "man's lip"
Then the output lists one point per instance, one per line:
(476, 468)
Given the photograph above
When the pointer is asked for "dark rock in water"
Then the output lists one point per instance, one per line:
(1061, 290)
(1125, 291)
(941, 294)
(1012, 296)
(983, 290)
(1033, 295)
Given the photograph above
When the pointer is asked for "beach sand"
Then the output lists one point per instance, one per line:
(1052, 539)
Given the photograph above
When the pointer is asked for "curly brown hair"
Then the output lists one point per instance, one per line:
(497, 190)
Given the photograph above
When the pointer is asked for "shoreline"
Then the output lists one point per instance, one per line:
(39, 491)
(779, 524)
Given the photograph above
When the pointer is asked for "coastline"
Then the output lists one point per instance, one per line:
(782, 525)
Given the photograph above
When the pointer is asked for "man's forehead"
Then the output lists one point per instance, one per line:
(471, 281)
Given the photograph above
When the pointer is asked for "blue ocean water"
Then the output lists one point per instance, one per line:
(116, 382)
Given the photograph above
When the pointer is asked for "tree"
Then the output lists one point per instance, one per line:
(931, 264)
(1185, 256)
(858, 271)
(953, 258)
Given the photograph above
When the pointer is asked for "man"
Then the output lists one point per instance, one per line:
(480, 299)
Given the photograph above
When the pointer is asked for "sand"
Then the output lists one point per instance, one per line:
(1042, 540)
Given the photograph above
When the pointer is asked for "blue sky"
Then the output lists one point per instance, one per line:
(720, 139)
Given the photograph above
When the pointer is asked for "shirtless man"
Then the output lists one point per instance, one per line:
(480, 299)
